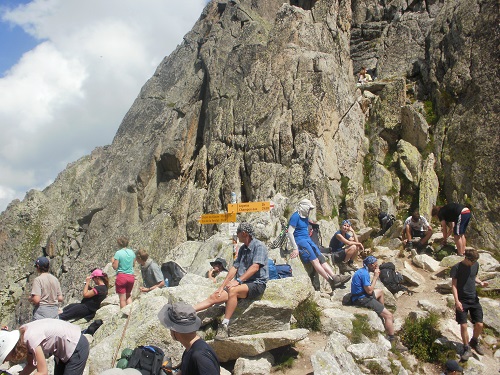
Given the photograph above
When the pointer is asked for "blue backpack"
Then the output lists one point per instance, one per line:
(279, 271)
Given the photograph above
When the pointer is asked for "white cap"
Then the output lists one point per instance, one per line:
(8, 341)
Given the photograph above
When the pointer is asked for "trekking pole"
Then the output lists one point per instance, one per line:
(113, 362)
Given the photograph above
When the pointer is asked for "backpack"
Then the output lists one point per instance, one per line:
(279, 271)
(94, 326)
(390, 278)
(147, 359)
(317, 238)
(173, 272)
(385, 220)
(273, 272)
(347, 299)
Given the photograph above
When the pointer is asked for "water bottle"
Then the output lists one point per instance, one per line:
(233, 197)
(166, 283)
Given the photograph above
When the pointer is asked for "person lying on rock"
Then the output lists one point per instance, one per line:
(92, 297)
(364, 294)
(345, 248)
(458, 216)
(303, 245)
(416, 226)
(152, 277)
(198, 357)
(218, 268)
(247, 277)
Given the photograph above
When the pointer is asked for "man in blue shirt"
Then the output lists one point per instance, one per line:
(247, 277)
(364, 294)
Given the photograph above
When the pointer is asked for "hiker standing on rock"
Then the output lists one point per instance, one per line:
(303, 245)
(364, 294)
(123, 262)
(247, 277)
(463, 286)
(150, 271)
(459, 217)
(198, 358)
(46, 292)
(344, 249)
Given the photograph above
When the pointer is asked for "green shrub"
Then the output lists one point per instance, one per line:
(307, 314)
(420, 335)
(361, 327)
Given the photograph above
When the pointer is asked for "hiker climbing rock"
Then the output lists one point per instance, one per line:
(152, 276)
(458, 216)
(344, 250)
(123, 262)
(46, 292)
(304, 247)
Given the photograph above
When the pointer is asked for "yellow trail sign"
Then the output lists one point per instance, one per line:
(217, 218)
(249, 207)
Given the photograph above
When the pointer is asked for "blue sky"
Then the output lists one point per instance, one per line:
(57, 57)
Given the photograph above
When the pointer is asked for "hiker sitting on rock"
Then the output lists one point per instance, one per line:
(152, 276)
(416, 226)
(198, 357)
(46, 292)
(247, 277)
(218, 268)
(463, 286)
(459, 217)
(344, 250)
(364, 294)
(92, 297)
(363, 76)
(303, 245)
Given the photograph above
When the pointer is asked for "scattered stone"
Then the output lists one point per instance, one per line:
(426, 262)
(258, 365)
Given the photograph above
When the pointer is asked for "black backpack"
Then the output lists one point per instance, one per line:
(147, 359)
(385, 220)
(94, 326)
(390, 278)
(317, 238)
(173, 272)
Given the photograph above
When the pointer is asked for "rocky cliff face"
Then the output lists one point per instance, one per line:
(260, 98)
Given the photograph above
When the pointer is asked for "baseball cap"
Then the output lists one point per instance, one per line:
(179, 317)
(42, 262)
(452, 365)
(97, 273)
(8, 341)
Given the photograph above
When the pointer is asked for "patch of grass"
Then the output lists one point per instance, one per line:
(389, 159)
(430, 115)
(335, 212)
(420, 335)
(284, 358)
(307, 314)
(287, 212)
(374, 367)
(489, 293)
(361, 327)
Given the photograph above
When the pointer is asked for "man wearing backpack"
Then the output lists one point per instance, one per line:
(247, 277)
(150, 271)
(198, 358)
(365, 295)
(416, 226)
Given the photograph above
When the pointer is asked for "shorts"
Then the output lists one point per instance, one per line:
(370, 302)
(417, 233)
(308, 251)
(462, 222)
(46, 311)
(255, 290)
(476, 313)
(124, 283)
(338, 256)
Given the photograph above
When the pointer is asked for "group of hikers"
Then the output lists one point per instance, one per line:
(50, 334)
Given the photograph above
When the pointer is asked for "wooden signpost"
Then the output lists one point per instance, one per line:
(233, 209)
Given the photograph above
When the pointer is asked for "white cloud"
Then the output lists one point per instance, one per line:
(69, 94)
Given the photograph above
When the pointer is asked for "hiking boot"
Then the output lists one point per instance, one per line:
(222, 332)
(409, 246)
(339, 280)
(474, 344)
(345, 267)
(352, 265)
(466, 354)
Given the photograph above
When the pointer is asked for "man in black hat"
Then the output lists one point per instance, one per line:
(182, 321)
(452, 367)
(247, 277)
(46, 292)
(218, 267)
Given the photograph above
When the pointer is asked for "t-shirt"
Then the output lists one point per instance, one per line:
(93, 303)
(125, 259)
(336, 244)
(48, 288)
(255, 252)
(466, 281)
(360, 279)
(200, 359)
(56, 337)
(421, 225)
(450, 212)
(301, 225)
(151, 273)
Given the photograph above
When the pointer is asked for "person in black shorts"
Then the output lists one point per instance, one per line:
(458, 216)
(463, 286)
(198, 357)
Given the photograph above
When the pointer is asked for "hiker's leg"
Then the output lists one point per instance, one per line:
(464, 333)
(407, 234)
(351, 253)
(379, 295)
(478, 329)
(123, 300)
(427, 236)
(476, 316)
(240, 291)
(460, 243)
(308, 255)
(74, 311)
(213, 299)
(388, 321)
(128, 300)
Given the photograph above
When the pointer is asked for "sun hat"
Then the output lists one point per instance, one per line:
(306, 202)
(370, 259)
(97, 273)
(179, 317)
(452, 365)
(220, 261)
(245, 227)
(42, 262)
(8, 341)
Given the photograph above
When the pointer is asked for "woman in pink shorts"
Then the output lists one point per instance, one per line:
(123, 262)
